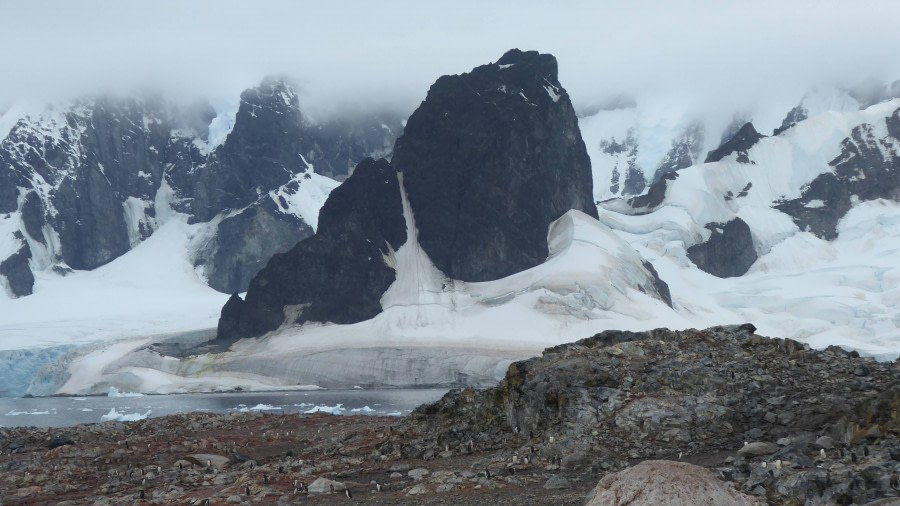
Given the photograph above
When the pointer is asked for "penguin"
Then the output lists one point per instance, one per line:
(822, 454)
(347, 492)
(142, 494)
(331, 486)
(378, 486)
(866, 450)
(208, 463)
(281, 469)
(266, 479)
(247, 490)
(487, 473)
(853, 457)
(180, 466)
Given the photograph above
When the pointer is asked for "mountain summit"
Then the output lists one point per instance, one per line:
(487, 162)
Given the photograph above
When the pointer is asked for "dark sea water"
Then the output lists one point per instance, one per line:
(68, 411)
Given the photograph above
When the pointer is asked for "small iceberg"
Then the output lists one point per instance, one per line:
(364, 409)
(114, 415)
(334, 410)
(114, 392)
(258, 407)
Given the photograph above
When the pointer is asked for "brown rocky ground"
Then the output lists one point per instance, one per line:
(112, 462)
(770, 418)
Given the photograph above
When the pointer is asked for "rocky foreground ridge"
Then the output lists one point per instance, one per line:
(771, 420)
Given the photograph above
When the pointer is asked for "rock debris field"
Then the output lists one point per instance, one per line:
(742, 417)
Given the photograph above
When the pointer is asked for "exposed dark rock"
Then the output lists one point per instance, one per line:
(59, 441)
(865, 170)
(337, 275)
(628, 149)
(91, 225)
(263, 151)
(662, 288)
(743, 140)
(794, 116)
(728, 252)
(655, 196)
(243, 243)
(490, 159)
(18, 274)
(33, 216)
(685, 151)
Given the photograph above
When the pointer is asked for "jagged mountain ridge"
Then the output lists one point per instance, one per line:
(80, 182)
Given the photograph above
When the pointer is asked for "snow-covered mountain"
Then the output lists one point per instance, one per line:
(426, 269)
(85, 182)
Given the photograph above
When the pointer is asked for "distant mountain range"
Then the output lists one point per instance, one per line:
(490, 224)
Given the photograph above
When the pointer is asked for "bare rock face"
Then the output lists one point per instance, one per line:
(490, 159)
(665, 482)
(337, 275)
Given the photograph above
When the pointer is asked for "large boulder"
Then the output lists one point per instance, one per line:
(728, 252)
(666, 482)
(490, 159)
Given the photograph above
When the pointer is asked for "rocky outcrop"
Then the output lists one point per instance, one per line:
(337, 275)
(728, 252)
(490, 159)
(820, 423)
(867, 168)
(745, 138)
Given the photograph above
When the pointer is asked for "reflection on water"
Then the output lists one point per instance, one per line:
(67, 411)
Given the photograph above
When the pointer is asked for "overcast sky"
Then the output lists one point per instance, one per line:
(714, 52)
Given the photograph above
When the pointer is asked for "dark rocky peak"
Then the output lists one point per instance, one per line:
(490, 159)
(867, 168)
(685, 151)
(744, 139)
(728, 252)
(263, 151)
(337, 275)
(794, 116)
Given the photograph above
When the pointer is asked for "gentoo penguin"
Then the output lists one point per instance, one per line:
(347, 492)
(822, 454)
(853, 457)
(331, 486)
(247, 490)
(378, 486)
(142, 494)
(487, 473)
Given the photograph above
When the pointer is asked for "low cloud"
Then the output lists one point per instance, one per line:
(709, 54)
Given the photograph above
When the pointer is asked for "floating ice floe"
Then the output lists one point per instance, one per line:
(114, 415)
(334, 410)
(114, 392)
(364, 409)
